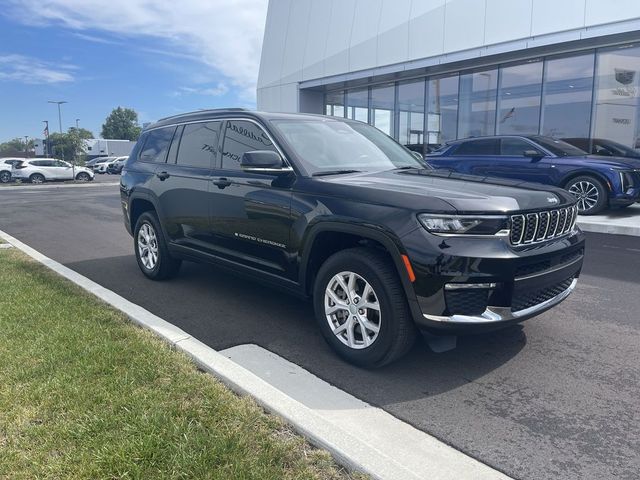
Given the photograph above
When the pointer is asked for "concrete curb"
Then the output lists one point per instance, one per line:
(614, 229)
(616, 222)
(348, 449)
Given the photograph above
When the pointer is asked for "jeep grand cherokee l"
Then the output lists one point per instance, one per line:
(336, 211)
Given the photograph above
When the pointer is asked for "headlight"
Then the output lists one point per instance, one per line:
(464, 224)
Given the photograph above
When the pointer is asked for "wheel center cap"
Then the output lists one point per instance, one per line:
(353, 309)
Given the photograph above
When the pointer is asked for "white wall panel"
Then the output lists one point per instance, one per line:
(606, 11)
(268, 99)
(289, 97)
(364, 44)
(426, 28)
(393, 32)
(316, 42)
(507, 20)
(464, 24)
(557, 16)
(339, 35)
(293, 54)
(274, 40)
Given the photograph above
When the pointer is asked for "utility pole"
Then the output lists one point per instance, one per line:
(77, 120)
(26, 145)
(47, 153)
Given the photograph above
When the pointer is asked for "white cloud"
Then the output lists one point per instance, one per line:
(31, 70)
(223, 34)
(216, 91)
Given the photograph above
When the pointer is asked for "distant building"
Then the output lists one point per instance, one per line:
(95, 147)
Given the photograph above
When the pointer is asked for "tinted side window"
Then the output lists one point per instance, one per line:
(43, 163)
(241, 136)
(486, 146)
(514, 147)
(199, 145)
(157, 144)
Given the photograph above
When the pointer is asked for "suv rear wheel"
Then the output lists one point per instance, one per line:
(5, 177)
(151, 250)
(361, 308)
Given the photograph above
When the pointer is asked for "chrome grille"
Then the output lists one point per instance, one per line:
(540, 226)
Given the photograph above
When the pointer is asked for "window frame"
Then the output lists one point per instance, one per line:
(147, 135)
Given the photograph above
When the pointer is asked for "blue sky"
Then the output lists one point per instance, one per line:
(147, 55)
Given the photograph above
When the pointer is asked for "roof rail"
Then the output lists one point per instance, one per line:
(204, 110)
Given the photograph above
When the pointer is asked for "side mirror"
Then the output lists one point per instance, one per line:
(263, 161)
(533, 154)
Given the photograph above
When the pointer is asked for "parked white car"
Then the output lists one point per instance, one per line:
(6, 168)
(99, 165)
(40, 170)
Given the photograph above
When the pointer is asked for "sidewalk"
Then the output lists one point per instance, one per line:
(619, 222)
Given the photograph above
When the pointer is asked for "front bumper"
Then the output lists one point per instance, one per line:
(632, 195)
(516, 283)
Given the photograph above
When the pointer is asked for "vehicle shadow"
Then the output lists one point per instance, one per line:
(223, 310)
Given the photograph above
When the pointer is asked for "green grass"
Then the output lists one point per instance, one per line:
(86, 394)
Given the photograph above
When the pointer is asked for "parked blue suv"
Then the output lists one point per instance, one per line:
(597, 182)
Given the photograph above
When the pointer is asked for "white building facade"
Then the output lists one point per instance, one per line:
(430, 71)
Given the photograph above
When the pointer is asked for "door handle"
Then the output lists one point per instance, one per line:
(163, 176)
(222, 182)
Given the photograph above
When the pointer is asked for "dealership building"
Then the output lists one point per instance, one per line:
(430, 71)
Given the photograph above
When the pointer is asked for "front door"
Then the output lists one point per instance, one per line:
(512, 162)
(250, 213)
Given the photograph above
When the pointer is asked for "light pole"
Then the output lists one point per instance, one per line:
(46, 138)
(77, 120)
(26, 145)
(59, 113)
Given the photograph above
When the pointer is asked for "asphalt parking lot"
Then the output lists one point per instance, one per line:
(556, 397)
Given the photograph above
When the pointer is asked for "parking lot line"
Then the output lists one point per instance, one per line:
(358, 435)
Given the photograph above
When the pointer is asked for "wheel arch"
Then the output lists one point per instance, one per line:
(588, 173)
(327, 238)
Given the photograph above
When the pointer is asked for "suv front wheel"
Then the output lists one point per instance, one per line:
(361, 308)
(151, 250)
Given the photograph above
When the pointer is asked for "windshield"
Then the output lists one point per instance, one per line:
(559, 147)
(328, 145)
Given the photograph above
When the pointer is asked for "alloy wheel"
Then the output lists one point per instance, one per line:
(352, 309)
(5, 177)
(83, 177)
(586, 193)
(148, 246)
(37, 179)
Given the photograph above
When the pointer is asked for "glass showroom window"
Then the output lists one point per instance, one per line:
(411, 115)
(442, 111)
(566, 97)
(519, 99)
(358, 105)
(334, 104)
(617, 102)
(382, 105)
(477, 111)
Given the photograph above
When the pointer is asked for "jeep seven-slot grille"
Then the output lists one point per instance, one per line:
(540, 226)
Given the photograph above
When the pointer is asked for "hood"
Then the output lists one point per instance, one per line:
(434, 190)
(614, 162)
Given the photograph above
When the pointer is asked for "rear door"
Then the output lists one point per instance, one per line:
(250, 212)
(475, 157)
(182, 184)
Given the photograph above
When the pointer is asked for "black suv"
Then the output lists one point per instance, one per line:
(336, 211)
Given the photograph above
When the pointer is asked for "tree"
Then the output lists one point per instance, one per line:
(16, 145)
(68, 146)
(121, 124)
(82, 132)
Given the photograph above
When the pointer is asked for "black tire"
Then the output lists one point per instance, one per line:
(83, 177)
(590, 192)
(37, 178)
(5, 176)
(397, 331)
(165, 266)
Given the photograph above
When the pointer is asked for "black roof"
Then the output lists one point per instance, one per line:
(241, 112)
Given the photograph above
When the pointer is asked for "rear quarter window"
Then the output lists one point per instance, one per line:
(156, 145)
